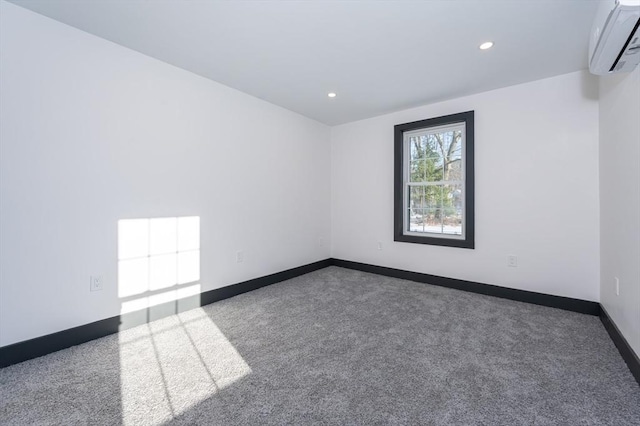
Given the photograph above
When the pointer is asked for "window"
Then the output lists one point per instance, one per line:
(433, 187)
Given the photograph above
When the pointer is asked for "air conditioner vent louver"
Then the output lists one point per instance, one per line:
(619, 66)
(615, 43)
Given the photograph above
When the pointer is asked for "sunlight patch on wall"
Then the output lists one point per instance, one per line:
(158, 260)
(171, 365)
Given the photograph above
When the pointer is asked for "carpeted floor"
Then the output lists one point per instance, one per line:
(336, 347)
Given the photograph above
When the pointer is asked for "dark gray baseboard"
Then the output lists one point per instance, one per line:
(39, 346)
(629, 356)
(33, 348)
(566, 303)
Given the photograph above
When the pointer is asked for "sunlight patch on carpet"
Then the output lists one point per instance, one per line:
(171, 365)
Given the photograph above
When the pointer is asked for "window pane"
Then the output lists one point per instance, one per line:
(417, 148)
(433, 221)
(425, 197)
(433, 196)
(416, 197)
(452, 207)
(417, 171)
(452, 199)
(436, 208)
(426, 220)
(455, 149)
(434, 169)
(452, 224)
(433, 145)
(451, 142)
(415, 220)
(430, 159)
(453, 170)
(444, 156)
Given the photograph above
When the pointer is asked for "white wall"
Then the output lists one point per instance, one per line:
(620, 201)
(536, 148)
(93, 132)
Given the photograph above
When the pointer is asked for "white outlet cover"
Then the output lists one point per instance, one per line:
(95, 283)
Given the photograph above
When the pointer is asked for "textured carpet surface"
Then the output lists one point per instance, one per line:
(336, 347)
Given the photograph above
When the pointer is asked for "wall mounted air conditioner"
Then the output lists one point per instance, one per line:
(615, 39)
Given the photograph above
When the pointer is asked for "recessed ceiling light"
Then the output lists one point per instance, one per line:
(331, 95)
(486, 45)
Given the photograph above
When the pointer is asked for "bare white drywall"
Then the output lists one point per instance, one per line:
(92, 133)
(620, 201)
(536, 191)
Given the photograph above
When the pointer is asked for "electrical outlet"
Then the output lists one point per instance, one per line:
(95, 283)
(239, 256)
(512, 261)
(617, 286)
(379, 245)
(321, 242)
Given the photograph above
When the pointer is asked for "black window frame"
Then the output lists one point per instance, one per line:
(398, 188)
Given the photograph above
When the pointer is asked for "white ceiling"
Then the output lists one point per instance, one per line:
(378, 56)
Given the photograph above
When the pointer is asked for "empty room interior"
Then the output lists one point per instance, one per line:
(319, 212)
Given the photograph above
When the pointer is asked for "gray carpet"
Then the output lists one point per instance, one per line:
(336, 347)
